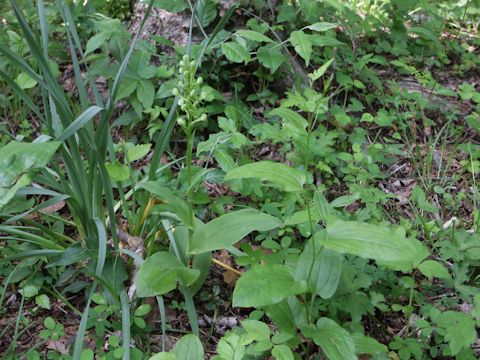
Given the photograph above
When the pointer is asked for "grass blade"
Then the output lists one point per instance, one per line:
(80, 121)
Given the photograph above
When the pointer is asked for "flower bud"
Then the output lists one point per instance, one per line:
(203, 117)
(182, 63)
(181, 121)
(185, 57)
(199, 80)
(192, 63)
(175, 91)
(181, 101)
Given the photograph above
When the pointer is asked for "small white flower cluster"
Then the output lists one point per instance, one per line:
(190, 95)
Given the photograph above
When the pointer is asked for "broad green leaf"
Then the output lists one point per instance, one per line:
(257, 329)
(173, 6)
(320, 268)
(324, 40)
(231, 347)
(276, 175)
(24, 81)
(118, 171)
(302, 217)
(322, 207)
(145, 93)
(387, 246)
(282, 352)
(29, 291)
(235, 52)
(294, 122)
(432, 268)
(227, 229)
(126, 88)
(161, 273)
(425, 34)
(322, 26)
(317, 74)
(142, 310)
(95, 42)
(367, 345)
(163, 356)
(87, 354)
(335, 341)
(136, 152)
(254, 36)
(188, 347)
(174, 203)
(43, 301)
(302, 44)
(459, 330)
(206, 11)
(265, 285)
(270, 56)
(288, 314)
(18, 162)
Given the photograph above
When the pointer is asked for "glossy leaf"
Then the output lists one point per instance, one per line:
(227, 229)
(161, 273)
(276, 175)
(266, 285)
(387, 246)
(18, 162)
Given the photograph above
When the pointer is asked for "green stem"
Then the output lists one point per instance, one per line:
(189, 157)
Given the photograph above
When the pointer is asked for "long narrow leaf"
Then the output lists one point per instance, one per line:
(80, 121)
(102, 247)
(82, 327)
(126, 323)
